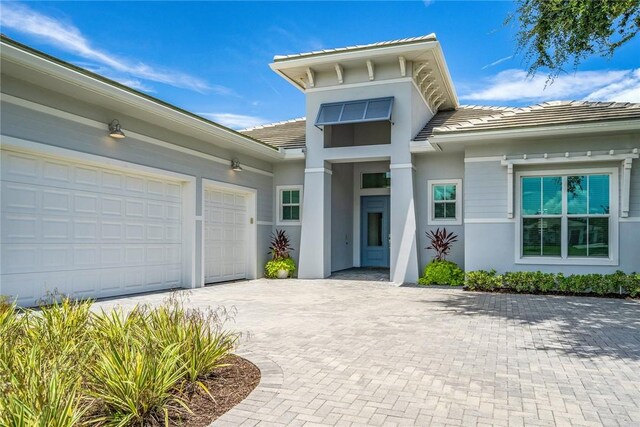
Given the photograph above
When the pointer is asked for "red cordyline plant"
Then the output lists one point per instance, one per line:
(280, 245)
(441, 242)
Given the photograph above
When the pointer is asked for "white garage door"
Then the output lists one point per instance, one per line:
(86, 231)
(225, 225)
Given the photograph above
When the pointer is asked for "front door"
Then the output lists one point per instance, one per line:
(374, 232)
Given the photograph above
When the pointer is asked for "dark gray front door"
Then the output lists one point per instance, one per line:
(374, 231)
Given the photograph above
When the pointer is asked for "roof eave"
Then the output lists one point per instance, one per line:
(31, 58)
(364, 53)
(555, 130)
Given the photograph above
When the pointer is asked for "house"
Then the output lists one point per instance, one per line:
(108, 191)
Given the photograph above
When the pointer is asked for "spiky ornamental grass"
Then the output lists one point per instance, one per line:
(65, 365)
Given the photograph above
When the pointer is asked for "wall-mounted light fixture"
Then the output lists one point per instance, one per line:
(115, 131)
(235, 165)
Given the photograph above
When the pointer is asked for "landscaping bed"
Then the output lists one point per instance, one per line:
(228, 386)
(616, 285)
(66, 365)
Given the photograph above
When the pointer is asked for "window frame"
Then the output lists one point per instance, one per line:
(431, 220)
(279, 190)
(564, 259)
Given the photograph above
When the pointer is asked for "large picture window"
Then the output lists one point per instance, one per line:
(566, 216)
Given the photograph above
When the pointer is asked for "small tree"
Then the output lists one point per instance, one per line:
(441, 242)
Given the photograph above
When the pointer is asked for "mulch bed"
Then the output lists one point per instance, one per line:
(228, 386)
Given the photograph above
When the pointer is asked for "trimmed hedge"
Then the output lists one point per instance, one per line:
(617, 283)
(442, 272)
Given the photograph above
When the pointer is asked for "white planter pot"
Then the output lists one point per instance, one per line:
(283, 274)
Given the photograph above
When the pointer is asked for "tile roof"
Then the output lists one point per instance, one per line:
(471, 118)
(428, 37)
(552, 113)
(286, 134)
(451, 117)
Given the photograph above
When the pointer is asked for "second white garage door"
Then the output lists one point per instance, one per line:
(226, 232)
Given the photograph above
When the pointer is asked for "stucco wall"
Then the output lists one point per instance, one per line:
(290, 173)
(429, 167)
(342, 217)
(485, 195)
(41, 127)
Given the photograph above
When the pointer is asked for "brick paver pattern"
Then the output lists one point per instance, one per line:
(349, 353)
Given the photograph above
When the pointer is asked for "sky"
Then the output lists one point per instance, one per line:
(211, 58)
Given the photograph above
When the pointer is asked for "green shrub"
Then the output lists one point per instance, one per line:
(273, 266)
(529, 281)
(41, 363)
(482, 280)
(536, 281)
(633, 285)
(202, 341)
(442, 273)
(65, 365)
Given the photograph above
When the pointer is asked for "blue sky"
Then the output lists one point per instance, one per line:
(212, 58)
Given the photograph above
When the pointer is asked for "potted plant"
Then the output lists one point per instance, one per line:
(440, 271)
(281, 265)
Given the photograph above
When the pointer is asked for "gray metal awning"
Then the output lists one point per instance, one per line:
(363, 110)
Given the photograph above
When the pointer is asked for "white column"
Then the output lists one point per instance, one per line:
(315, 235)
(404, 254)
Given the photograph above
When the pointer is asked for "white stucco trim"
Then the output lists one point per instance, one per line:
(402, 166)
(251, 267)
(483, 159)
(359, 84)
(319, 170)
(630, 219)
(103, 126)
(188, 190)
(279, 190)
(488, 220)
(430, 202)
(613, 259)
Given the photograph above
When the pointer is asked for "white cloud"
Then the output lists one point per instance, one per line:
(235, 121)
(515, 85)
(66, 36)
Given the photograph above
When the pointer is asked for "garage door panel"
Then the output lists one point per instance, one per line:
(94, 231)
(226, 219)
(31, 169)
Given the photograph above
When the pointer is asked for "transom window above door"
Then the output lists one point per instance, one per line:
(566, 216)
(376, 180)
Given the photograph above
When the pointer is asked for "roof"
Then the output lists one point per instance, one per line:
(452, 117)
(470, 118)
(286, 134)
(409, 40)
(229, 133)
(554, 113)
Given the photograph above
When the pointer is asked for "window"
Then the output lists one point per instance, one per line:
(376, 180)
(289, 204)
(566, 216)
(445, 202)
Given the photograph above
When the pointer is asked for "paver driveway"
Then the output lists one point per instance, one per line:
(367, 353)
